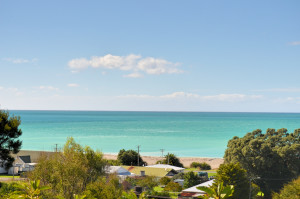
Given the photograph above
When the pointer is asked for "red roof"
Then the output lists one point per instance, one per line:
(187, 194)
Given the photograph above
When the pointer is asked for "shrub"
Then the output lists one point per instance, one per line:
(290, 190)
(130, 158)
(190, 179)
(204, 166)
(164, 180)
(195, 165)
(173, 186)
(178, 176)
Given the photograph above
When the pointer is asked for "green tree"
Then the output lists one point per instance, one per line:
(204, 166)
(289, 191)
(164, 180)
(130, 157)
(172, 159)
(9, 134)
(173, 186)
(148, 181)
(195, 165)
(274, 157)
(70, 171)
(191, 179)
(31, 190)
(234, 174)
(218, 192)
(105, 188)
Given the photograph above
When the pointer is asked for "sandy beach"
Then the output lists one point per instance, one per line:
(186, 161)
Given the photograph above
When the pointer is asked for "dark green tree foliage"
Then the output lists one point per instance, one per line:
(164, 180)
(191, 179)
(173, 186)
(9, 134)
(289, 191)
(172, 160)
(130, 158)
(234, 174)
(148, 181)
(204, 166)
(274, 157)
(195, 164)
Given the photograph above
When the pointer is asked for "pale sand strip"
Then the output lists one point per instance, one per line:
(186, 161)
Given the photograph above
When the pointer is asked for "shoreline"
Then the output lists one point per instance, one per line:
(186, 161)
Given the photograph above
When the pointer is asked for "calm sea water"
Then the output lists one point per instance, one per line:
(183, 133)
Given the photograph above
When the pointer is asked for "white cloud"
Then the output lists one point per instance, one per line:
(78, 63)
(134, 75)
(73, 85)
(294, 43)
(132, 62)
(180, 95)
(48, 88)
(1, 88)
(291, 90)
(20, 60)
(184, 95)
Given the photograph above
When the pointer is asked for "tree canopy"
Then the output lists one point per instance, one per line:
(70, 171)
(130, 157)
(234, 174)
(290, 190)
(9, 134)
(171, 159)
(273, 157)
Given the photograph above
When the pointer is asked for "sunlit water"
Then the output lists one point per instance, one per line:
(187, 134)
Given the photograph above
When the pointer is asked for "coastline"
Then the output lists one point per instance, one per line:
(186, 161)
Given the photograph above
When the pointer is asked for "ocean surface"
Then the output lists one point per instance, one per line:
(186, 134)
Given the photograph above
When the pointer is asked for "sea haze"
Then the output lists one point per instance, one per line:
(186, 134)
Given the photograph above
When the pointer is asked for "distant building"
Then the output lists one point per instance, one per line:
(150, 171)
(193, 192)
(21, 164)
(166, 166)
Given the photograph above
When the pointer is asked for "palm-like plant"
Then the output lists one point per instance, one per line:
(33, 191)
(219, 192)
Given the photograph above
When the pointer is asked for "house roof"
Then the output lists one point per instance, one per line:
(166, 166)
(25, 158)
(149, 171)
(118, 170)
(194, 188)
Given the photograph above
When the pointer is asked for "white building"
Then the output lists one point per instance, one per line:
(166, 166)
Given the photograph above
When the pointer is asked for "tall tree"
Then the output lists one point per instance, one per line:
(9, 134)
(191, 179)
(70, 171)
(273, 157)
(130, 157)
(172, 159)
(234, 174)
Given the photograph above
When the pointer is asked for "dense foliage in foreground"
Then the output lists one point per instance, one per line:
(9, 134)
(271, 159)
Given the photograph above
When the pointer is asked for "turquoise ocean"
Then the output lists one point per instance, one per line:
(186, 134)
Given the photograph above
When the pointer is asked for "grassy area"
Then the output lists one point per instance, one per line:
(172, 194)
(158, 189)
(209, 172)
(8, 176)
(197, 170)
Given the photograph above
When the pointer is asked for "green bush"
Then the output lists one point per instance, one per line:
(173, 186)
(164, 180)
(290, 190)
(204, 166)
(194, 165)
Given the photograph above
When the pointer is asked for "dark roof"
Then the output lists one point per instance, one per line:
(25, 158)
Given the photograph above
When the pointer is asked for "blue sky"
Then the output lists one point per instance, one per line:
(150, 55)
